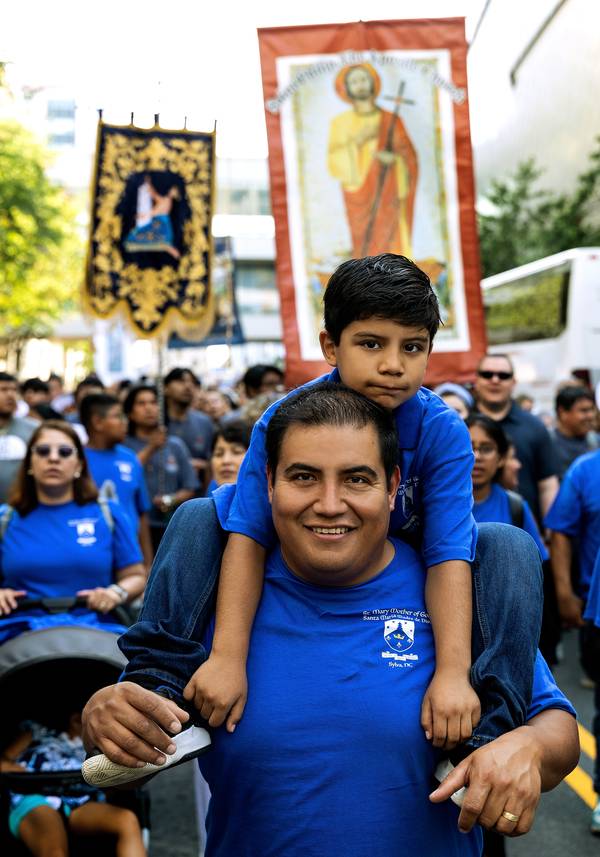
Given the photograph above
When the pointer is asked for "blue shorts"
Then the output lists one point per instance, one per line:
(29, 803)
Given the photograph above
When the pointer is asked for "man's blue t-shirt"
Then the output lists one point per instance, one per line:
(330, 756)
(120, 478)
(576, 512)
(592, 607)
(433, 508)
(496, 509)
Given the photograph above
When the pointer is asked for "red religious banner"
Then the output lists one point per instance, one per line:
(370, 152)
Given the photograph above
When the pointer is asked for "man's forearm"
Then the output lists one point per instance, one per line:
(547, 491)
(556, 734)
(561, 553)
(240, 587)
(449, 603)
(145, 541)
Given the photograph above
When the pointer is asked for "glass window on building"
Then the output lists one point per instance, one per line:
(61, 109)
(67, 138)
(533, 307)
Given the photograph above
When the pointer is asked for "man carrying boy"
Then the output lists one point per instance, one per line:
(381, 316)
(330, 756)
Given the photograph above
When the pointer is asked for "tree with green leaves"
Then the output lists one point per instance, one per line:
(41, 253)
(528, 223)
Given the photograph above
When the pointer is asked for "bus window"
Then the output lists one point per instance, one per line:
(532, 307)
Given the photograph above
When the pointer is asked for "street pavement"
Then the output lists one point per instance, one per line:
(560, 828)
(562, 820)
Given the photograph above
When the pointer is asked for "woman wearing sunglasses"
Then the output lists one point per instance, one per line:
(57, 539)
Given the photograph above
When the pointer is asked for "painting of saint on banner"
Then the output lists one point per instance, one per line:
(370, 168)
(150, 239)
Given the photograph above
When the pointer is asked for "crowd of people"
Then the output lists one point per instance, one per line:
(95, 486)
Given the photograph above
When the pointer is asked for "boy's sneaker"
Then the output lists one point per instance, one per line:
(595, 822)
(100, 771)
(441, 772)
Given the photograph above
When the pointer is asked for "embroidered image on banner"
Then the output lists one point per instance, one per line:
(369, 153)
(150, 238)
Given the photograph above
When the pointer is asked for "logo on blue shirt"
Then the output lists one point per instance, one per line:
(399, 634)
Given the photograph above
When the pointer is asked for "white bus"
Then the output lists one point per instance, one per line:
(546, 316)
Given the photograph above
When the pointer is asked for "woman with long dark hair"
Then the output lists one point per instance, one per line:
(57, 538)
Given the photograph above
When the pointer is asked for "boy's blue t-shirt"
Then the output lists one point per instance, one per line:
(496, 509)
(576, 512)
(433, 509)
(330, 756)
(57, 550)
(120, 478)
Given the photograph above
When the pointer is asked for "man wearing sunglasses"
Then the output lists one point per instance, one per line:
(494, 389)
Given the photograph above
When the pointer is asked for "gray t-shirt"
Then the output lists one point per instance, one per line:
(196, 431)
(168, 470)
(14, 437)
(567, 449)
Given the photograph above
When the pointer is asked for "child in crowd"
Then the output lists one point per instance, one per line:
(41, 822)
(381, 317)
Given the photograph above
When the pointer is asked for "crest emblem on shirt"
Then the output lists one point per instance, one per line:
(86, 533)
(399, 635)
(125, 470)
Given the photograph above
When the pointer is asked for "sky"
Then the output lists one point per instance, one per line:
(177, 57)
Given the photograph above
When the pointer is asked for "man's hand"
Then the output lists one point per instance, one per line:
(9, 600)
(450, 709)
(129, 724)
(158, 438)
(219, 690)
(570, 607)
(503, 776)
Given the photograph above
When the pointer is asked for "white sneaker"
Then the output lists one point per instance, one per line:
(100, 771)
(441, 772)
(595, 821)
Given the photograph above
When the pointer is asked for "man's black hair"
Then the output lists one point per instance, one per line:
(7, 378)
(253, 376)
(36, 385)
(129, 402)
(89, 381)
(178, 374)
(384, 286)
(570, 395)
(330, 404)
(233, 431)
(96, 404)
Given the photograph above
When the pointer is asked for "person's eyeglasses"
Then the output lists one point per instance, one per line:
(43, 450)
(485, 450)
(488, 375)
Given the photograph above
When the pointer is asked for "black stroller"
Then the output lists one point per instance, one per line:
(38, 669)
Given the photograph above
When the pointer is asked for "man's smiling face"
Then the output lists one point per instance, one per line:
(331, 503)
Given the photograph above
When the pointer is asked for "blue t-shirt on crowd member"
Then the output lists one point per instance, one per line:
(433, 507)
(576, 512)
(120, 478)
(496, 509)
(55, 551)
(330, 756)
(592, 607)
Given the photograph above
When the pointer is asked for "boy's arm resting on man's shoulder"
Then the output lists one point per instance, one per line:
(219, 687)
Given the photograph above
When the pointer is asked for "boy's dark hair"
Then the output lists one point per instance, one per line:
(234, 431)
(178, 374)
(7, 378)
(384, 286)
(36, 385)
(330, 404)
(570, 395)
(96, 404)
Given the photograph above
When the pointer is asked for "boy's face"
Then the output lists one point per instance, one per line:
(380, 358)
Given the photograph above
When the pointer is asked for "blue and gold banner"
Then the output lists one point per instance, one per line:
(150, 229)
